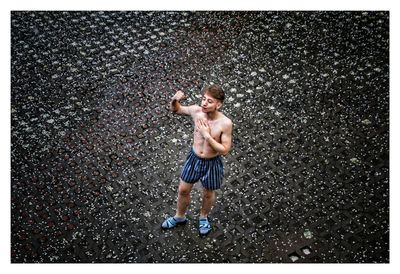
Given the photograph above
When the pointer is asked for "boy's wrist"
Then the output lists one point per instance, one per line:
(207, 137)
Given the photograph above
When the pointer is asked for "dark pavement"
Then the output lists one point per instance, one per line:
(96, 154)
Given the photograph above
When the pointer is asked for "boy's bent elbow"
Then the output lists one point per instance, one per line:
(225, 152)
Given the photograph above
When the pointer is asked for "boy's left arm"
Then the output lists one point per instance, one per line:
(226, 138)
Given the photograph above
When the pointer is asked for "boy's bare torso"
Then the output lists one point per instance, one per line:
(200, 146)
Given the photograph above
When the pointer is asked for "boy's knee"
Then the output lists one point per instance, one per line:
(184, 192)
(207, 193)
(184, 189)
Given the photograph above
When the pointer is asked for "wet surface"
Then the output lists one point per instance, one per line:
(96, 154)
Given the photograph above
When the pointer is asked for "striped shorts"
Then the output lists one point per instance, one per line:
(209, 171)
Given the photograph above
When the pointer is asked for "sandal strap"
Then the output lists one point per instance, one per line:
(204, 223)
(171, 222)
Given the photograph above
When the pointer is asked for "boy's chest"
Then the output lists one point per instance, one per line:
(215, 126)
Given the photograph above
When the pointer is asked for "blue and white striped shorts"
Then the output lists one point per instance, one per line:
(209, 171)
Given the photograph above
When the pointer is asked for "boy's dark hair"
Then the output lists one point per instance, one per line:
(216, 92)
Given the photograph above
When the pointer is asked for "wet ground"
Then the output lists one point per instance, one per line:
(96, 154)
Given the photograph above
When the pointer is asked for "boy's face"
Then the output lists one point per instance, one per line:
(209, 103)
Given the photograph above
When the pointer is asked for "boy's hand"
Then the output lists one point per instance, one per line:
(204, 128)
(179, 95)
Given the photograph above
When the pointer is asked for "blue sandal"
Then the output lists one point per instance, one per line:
(171, 223)
(204, 227)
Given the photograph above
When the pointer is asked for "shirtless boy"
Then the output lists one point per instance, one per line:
(212, 138)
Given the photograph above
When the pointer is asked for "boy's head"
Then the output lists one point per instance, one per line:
(216, 92)
(213, 97)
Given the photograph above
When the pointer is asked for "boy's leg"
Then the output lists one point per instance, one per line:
(207, 203)
(182, 204)
(183, 198)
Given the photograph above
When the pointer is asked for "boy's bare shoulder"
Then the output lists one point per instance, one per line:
(226, 121)
(195, 110)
